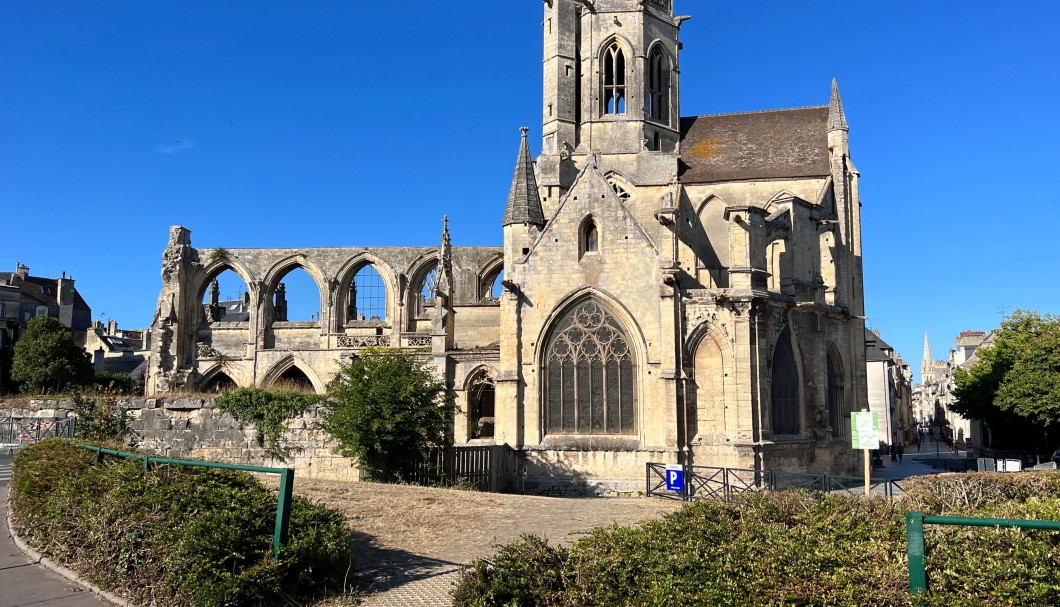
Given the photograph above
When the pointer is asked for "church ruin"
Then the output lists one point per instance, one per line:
(675, 289)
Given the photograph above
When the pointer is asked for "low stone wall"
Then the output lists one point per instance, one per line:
(191, 428)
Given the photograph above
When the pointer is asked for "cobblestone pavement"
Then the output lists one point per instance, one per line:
(399, 579)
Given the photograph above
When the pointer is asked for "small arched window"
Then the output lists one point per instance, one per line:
(658, 99)
(784, 388)
(614, 79)
(590, 237)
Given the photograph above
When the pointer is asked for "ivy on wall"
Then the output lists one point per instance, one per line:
(268, 411)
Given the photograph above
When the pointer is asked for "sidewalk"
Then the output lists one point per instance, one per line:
(23, 582)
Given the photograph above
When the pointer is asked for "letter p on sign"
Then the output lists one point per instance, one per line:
(675, 478)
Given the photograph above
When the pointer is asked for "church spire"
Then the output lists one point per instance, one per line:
(837, 120)
(524, 202)
(926, 363)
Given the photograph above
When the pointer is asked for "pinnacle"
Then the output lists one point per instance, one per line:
(837, 120)
(524, 202)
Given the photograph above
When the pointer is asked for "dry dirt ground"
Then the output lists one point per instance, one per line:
(410, 542)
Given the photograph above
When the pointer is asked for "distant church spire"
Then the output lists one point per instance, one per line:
(524, 202)
(837, 120)
(926, 363)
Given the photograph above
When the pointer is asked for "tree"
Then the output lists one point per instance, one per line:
(390, 411)
(1017, 379)
(47, 360)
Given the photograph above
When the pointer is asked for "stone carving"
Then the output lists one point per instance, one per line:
(206, 351)
(364, 341)
(417, 340)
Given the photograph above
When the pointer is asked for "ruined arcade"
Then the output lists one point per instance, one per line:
(675, 289)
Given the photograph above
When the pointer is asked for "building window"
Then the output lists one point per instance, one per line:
(42, 311)
(785, 389)
(835, 399)
(589, 237)
(614, 84)
(428, 286)
(658, 99)
(590, 376)
(480, 406)
(367, 295)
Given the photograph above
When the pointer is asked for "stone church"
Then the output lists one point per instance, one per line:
(669, 289)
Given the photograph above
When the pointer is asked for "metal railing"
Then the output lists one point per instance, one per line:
(283, 500)
(723, 483)
(18, 431)
(914, 533)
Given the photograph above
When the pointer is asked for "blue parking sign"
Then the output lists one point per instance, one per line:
(675, 478)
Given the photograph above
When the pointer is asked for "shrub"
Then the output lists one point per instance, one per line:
(101, 419)
(390, 411)
(46, 359)
(947, 493)
(792, 549)
(176, 536)
(269, 411)
(119, 383)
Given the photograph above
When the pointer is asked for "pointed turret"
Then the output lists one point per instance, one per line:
(445, 260)
(837, 120)
(524, 202)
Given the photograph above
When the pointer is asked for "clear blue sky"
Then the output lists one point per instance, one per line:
(362, 123)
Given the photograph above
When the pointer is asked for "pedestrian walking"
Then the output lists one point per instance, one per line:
(900, 451)
(894, 453)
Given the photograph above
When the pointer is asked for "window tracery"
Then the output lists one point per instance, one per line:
(658, 98)
(784, 388)
(589, 374)
(614, 79)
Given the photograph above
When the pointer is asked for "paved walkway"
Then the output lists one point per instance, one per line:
(23, 582)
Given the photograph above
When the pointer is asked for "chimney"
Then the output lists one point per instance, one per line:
(21, 270)
(112, 327)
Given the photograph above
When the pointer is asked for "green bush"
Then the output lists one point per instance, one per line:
(791, 549)
(119, 383)
(269, 411)
(176, 536)
(101, 419)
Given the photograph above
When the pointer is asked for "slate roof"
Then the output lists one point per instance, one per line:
(524, 203)
(771, 144)
(41, 291)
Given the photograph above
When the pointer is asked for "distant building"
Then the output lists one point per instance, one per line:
(117, 351)
(890, 392)
(55, 297)
(934, 396)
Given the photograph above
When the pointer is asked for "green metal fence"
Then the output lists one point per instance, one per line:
(914, 533)
(283, 501)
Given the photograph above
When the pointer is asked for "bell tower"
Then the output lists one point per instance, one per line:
(610, 84)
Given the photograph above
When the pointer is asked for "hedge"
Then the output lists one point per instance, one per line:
(177, 536)
(793, 549)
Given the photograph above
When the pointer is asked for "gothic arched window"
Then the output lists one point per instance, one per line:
(590, 375)
(614, 79)
(589, 240)
(835, 399)
(428, 286)
(658, 99)
(785, 388)
(481, 394)
(367, 295)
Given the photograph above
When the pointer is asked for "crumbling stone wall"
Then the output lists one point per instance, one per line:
(191, 428)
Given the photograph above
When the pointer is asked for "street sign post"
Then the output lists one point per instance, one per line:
(865, 435)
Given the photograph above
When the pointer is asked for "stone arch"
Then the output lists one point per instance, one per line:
(345, 281)
(778, 201)
(215, 374)
(785, 385)
(489, 274)
(203, 276)
(420, 304)
(591, 356)
(277, 373)
(708, 236)
(622, 187)
(835, 386)
(614, 58)
(589, 236)
(712, 361)
(480, 391)
(281, 269)
(658, 87)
